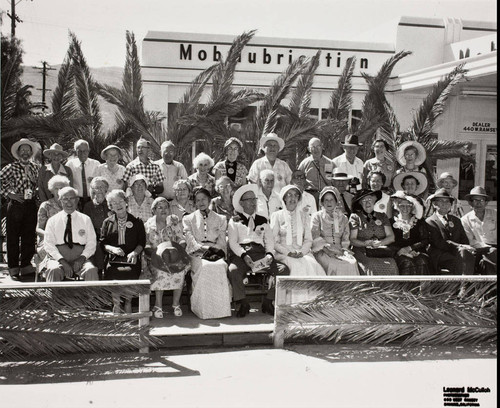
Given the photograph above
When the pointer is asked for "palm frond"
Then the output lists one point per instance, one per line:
(132, 77)
(63, 99)
(434, 104)
(341, 98)
(300, 99)
(439, 149)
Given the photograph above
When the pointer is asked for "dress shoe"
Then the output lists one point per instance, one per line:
(244, 308)
(268, 307)
(27, 270)
(14, 273)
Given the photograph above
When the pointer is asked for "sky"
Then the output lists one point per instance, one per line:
(100, 25)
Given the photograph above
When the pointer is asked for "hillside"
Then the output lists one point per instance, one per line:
(109, 75)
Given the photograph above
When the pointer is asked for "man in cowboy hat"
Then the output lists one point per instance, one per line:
(252, 248)
(56, 155)
(317, 168)
(70, 241)
(18, 181)
(271, 145)
(83, 169)
(480, 225)
(171, 169)
(449, 245)
(142, 164)
(348, 162)
(340, 181)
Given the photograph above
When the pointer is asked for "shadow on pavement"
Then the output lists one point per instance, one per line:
(91, 368)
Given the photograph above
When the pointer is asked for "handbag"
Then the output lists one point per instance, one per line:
(380, 252)
(119, 260)
(213, 254)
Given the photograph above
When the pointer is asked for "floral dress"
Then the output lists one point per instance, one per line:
(177, 209)
(236, 171)
(164, 280)
(209, 184)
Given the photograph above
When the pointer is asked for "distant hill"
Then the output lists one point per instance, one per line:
(108, 75)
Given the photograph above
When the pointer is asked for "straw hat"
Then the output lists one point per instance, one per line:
(34, 147)
(445, 176)
(272, 136)
(170, 257)
(338, 175)
(397, 182)
(245, 188)
(477, 191)
(54, 149)
(233, 140)
(400, 153)
(108, 148)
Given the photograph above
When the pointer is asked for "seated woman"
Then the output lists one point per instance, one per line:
(376, 180)
(97, 209)
(223, 204)
(293, 240)
(202, 177)
(122, 238)
(139, 198)
(182, 204)
(411, 236)
(371, 233)
(330, 234)
(231, 167)
(413, 183)
(205, 233)
(160, 228)
(47, 209)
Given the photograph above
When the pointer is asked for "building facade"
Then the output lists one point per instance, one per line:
(172, 60)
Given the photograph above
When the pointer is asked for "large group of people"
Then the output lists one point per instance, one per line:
(78, 218)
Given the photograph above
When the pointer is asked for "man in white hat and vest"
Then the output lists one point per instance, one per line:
(251, 242)
(83, 169)
(271, 145)
(18, 182)
(480, 225)
(172, 170)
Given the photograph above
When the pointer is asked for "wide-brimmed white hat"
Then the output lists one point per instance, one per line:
(418, 208)
(35, 147)
(397, 182)
(108, 148)
(443, 177)
(55, 148)
(131, 182)
(245, 188)
(272, 136)
(400, 153)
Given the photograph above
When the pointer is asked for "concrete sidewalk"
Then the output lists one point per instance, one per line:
(303, 376)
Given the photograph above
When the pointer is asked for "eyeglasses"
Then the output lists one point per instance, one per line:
(249, 199)
(299, 177)
(367, 199)
(68, 199)
(479, 200)
(232, 149)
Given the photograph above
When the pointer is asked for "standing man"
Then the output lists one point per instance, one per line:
(83, 169)
(142, 164)
(172, 170)
(69, 241)
(480, 225)
(18, 184)
(271, 144)
(348, 162)
(317, 168)
(251, 242)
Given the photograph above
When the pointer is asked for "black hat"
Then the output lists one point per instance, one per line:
(351, 140)
(363, 193)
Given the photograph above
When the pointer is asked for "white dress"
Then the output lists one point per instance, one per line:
(292, 236)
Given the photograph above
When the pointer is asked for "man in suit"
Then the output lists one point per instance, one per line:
(252, 243)
(449, 245)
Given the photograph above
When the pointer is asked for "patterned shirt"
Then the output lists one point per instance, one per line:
(143, 211)
(150, 170)
(239, 176)
(385, 166)
(18, 179)
(114, 179)
(209, 184)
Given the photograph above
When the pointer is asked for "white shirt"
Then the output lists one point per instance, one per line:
(343, 165)
(282, 172)
(76, 167)
(481, 233)
(172, 172)
(238, 233)
(266, 207)
(81, 227)
(308, 200)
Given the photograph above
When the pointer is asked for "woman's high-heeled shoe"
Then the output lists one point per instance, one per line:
(268, 307)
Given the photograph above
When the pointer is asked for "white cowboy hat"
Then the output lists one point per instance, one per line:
(108, 148)
(272, 136)
(400, 153)
(397, 182)
(245, 188)
(35, 147)
(55, 148)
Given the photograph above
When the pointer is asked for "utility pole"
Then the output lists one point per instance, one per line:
(14, 18)
(45, 67)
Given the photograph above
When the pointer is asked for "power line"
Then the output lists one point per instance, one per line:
(14, 18)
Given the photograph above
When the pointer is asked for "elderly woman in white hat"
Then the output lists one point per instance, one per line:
(55, 154)
(111, 170)
(293, 240)
(139, 198)
(231, 167)
(271, 145)
(18, 182)
(411, 236)
(411, 155)
(330, 234)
